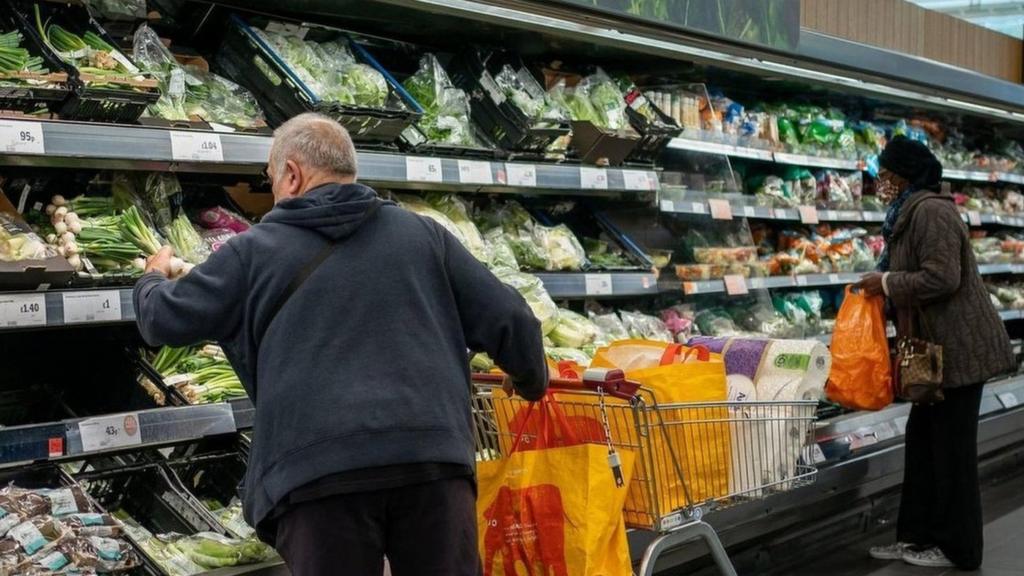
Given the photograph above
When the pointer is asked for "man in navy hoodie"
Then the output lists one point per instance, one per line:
(348, 321)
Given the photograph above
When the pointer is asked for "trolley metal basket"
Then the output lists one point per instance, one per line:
(691, 458)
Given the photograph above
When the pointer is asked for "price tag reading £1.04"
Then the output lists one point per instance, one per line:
(22, 310)
(196, 147)
(593, 178)
(418, 169)
(524, 175)
(108, 432)
(18, 137)
(99, 306)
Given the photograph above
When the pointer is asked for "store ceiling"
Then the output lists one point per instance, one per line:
(1002, 16)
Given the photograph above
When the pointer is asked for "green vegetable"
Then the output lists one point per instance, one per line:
(187, 243)
(138, 232)
(208, 376)
(445, 108)
(89, 53)
(533, 291)
(573, 330)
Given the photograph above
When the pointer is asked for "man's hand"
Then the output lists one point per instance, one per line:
(160, 262)
(871, 284)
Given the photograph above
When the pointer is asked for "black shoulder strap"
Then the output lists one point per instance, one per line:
(304, 273)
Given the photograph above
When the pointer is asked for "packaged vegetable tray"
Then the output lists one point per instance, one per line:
(508, 102)
(299, 68)
(41, 84)
(106, 85)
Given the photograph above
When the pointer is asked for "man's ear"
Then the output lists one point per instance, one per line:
(293, 179)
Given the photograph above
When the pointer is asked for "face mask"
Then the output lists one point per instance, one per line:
(886, 190)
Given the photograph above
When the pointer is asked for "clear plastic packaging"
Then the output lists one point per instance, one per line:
(645, 327)
(18, 242)
(533, 291)
(445, 108)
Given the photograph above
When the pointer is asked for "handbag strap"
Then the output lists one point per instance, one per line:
(916, 312)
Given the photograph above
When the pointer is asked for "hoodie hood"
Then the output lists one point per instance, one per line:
(334, 210)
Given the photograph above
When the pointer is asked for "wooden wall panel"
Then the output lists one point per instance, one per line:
(904, 27)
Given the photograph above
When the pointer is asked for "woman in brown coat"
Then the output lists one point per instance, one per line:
(931, 280)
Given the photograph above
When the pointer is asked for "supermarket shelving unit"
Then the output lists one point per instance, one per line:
(858, 454)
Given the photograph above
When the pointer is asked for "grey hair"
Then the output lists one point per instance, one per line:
(316, 141)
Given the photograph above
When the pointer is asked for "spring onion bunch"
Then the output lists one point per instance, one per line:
(15, 58)
(89, 53)
(203, 375)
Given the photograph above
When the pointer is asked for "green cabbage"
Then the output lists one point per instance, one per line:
(533, 291)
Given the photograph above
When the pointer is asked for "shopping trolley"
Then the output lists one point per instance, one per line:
(691, 458)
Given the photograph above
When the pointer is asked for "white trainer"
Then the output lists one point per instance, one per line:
(890, 552)
(930, 558)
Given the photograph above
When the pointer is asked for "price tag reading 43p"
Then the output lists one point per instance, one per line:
(22, 310)
(196, 147)
(99, 306)
(22, 137)
(108, 432)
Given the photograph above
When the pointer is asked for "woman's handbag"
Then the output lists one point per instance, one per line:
(918, 377)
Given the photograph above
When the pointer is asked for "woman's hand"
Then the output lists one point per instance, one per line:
(871, 284)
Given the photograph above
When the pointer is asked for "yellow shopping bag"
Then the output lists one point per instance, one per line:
(555, 511)
(698, 437)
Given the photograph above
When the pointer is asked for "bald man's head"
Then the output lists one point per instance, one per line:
(309, 150)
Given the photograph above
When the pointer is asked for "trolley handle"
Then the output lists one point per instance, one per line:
(611, 381)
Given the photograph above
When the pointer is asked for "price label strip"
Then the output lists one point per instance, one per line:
(637, 180)
(196, 147)
(109, 432)
(18, 137)
(475, 172)
(598, 284)
(22, 310)
(523, 175)
(418, 169)
(87, 307)
(593, 178)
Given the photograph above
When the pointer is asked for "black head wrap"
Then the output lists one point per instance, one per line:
(913, 161)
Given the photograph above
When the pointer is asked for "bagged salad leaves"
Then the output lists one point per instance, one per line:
(445, 108)
(645, 327)
(534, 246)
(457, 210)
(533, 291)
(190, 93)
(573, 330)
(330, 70)
(465, 231)
(609, 328)
(562, 251)
(527, 94)
(499, 250)
(596, 99)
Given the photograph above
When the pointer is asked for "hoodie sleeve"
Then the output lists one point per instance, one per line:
(203, 305)
(497, 320)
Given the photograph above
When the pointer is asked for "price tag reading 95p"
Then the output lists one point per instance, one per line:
(196, 147)
(593, 178)
(17, 310)
(108, 432)
(419, 169)
(98, 306)
(475, 172)
(18, 137)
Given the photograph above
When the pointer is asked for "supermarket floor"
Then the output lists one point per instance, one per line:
(1004, 544)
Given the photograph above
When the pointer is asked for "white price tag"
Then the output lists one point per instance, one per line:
(756, 283)
(598, 284)
(637, 180)
(107, 432)
(1008, 400)
(418, 169)
(720, 209)
(697, 208)
(475, 172)
(593, 178)
(830, 214)
(196, 147)
(22, 310)
(749, 211)
(833, 278)
(974, 218)
(801, 280)
(735, 285)
(668, 206)
(98, 306)
(808, 215)
(524, 175)
(780, 213)
(18, 137)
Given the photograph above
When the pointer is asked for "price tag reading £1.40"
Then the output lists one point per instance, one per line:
(196, 147)
(22, 310)
(98, 306)
(108, 432)
(17, 137)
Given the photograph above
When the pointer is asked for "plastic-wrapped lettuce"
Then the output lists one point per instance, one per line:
(499, 250)
(420, 206)
(445, 108)
(573, 330)
(645, 327)
(527, 94)
(609, 328)
(18, 242)
(559, 354)
(561, 248)
(532, 289)
(535, 247)
(457, 210)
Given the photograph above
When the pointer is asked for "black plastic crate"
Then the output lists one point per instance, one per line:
(474, 71)
(28, 99)
(251, 62)
(654, 136)
(86, 102)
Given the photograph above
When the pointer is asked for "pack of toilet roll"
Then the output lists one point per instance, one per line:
(766, 440)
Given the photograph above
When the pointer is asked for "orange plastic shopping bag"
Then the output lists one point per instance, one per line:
(861, 377)
(555, 511)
